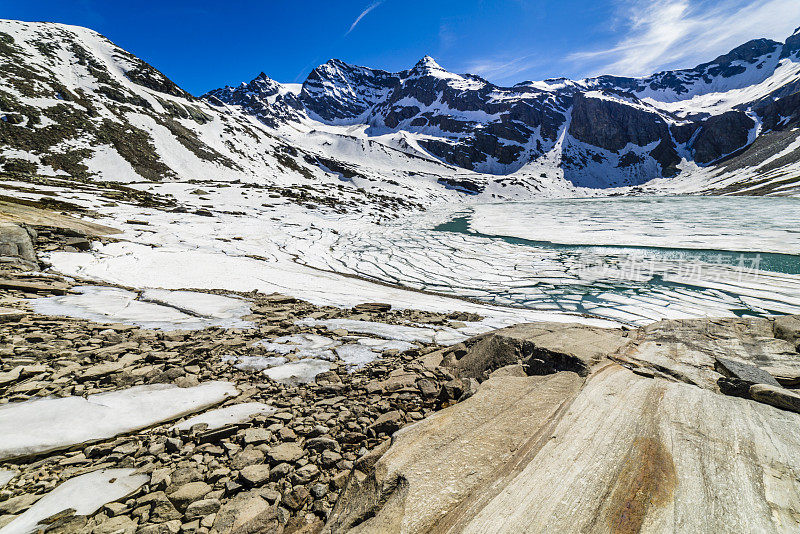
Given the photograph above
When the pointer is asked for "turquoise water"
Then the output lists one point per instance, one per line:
(631, 259)
(764, 261)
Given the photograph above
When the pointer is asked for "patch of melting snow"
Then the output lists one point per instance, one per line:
(238, 413)
(355, 355)
(385, 344)
(199, 304)
(254, 363)
(156, 309)
(43, 425)
(444, 336)
(302, 371)
(6, 476)
(304, 345)
(85, 494)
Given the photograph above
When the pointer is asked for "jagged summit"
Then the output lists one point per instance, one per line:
(427, 63)
(602, 131)
(733, 119)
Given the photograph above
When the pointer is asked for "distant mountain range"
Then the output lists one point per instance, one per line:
(74, 103)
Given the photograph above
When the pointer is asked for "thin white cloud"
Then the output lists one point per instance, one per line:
(663, 34)
(500, 69)
(363, 14)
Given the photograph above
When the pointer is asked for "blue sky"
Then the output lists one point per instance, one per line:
(202, 45)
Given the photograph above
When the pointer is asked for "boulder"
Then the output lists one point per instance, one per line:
(387, 422)
(116, 525)
(542, 347)
(286, 452)
(246, 513)
(16, 245)
(255, 475)
(744, 371)
(202, 508)
(189, 493)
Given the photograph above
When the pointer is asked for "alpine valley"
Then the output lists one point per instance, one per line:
(397, 302)
(728, 126)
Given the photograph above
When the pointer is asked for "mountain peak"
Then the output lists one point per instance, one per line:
(427, 63)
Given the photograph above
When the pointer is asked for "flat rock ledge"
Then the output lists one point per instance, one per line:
(681, 426)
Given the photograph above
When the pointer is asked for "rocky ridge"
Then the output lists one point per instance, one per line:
(601, 132)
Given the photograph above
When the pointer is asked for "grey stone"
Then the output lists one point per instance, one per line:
(15, 242)
(256, 436)
(240, 513)
(255, 475)
(247, 457)
(744, 371)
(188, 493)
(306, 474)
(286, 452)
(776, 396)
(202, 508)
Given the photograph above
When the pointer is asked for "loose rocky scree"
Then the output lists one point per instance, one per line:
(291, 463)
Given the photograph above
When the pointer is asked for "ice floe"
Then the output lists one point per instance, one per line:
(85, 494)
(156, 309)
(237, 413)
(43, 425)
(690, 222)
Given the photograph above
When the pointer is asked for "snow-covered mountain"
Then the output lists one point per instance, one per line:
(76, 107)
(597, 132)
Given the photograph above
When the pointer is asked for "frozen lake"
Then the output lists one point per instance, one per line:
(634, 260)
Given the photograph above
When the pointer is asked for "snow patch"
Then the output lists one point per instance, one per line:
(85, 494)
(42, 425)
(168, 310)
(229, 415)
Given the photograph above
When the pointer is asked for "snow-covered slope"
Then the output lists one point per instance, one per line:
(600, 132)
(76, 107)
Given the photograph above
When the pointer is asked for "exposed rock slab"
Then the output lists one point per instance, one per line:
(627, 454)
(12, 212)
(435, 464)
(686, 350)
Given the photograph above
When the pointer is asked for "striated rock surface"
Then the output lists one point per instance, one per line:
(436, 464)
(655, 447)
